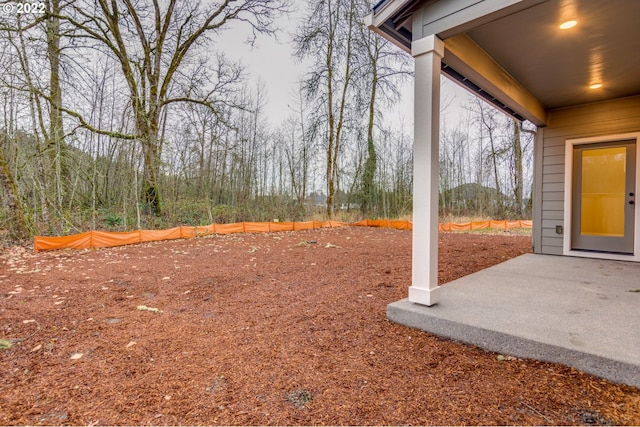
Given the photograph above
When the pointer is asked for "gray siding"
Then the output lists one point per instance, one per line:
(599, 119)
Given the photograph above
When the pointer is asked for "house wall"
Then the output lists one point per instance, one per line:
(590, 120)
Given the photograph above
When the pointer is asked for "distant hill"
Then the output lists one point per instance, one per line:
(469, 198)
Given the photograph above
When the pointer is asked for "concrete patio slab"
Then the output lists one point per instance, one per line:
(583, 313)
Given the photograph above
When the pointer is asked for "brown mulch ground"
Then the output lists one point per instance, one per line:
(284, 328)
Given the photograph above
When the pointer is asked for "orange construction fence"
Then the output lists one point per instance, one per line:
(105, 239)
(480, 225)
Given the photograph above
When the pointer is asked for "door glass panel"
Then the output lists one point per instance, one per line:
(603, 191)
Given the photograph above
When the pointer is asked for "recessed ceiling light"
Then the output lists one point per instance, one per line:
(595, 86)
(568, 24)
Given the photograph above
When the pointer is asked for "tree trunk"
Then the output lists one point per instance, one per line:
(20, 230)
(372, 158)
(55, 143)
(496, 177)
(518, 186)
(331, 142)
(150, 187)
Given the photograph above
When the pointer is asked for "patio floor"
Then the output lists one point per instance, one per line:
(583, 313)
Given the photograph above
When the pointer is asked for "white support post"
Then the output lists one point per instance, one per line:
(428, 53)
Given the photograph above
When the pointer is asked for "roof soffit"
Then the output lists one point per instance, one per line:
(523, 39)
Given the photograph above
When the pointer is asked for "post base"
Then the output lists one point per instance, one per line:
(424, 296)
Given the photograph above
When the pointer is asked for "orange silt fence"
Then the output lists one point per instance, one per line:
(482, 225)
(384, 223)
(104, 239)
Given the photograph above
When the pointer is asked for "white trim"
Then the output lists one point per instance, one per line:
(385, 13)
(568, 182)
(377, 20)
(427, 45)
(426, 140)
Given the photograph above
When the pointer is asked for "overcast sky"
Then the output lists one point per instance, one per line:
(271, 60)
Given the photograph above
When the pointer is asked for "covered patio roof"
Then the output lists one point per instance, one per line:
(514, 53)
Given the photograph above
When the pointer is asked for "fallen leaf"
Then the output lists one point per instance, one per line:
(76, 356)
(36, 348)
(131, 344)
(145, 308)
(5, 344)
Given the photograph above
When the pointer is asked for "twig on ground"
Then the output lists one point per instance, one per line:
(549, 420)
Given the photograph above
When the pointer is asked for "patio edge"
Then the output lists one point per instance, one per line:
(419, 317)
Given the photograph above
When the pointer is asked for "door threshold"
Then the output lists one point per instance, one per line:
(581, 253)
(593, 251)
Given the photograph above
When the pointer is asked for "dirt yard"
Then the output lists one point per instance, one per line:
(268, 329)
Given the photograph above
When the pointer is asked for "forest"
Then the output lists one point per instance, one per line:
(127, 114)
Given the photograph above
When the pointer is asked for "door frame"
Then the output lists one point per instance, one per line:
(568, 191)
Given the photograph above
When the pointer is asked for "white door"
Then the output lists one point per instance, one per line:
(603, 197)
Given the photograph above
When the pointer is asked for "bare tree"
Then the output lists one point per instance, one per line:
(327, 36)
(55, 136)
(523, 139)
(19, 228)
(155, 45)
(518, 176)
(381, 68)
(21, 75)
(299, 151)
(500, 157)
(491, 126)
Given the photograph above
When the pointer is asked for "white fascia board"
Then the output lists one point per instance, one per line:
(470, 60)
(377, 20)
(385, 34)
(389, 9)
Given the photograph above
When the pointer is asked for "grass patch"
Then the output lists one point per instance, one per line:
(299, 398)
